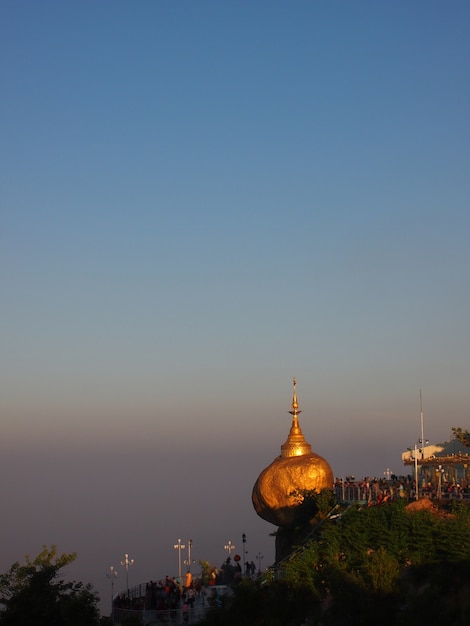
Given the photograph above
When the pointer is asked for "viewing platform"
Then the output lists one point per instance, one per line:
(167, 601)
(377, 491)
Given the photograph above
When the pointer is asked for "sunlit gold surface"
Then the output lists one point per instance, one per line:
(297, 469)
(274, 496)
(295, 445)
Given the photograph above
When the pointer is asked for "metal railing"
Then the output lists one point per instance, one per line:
(165, 616)
(211, 597)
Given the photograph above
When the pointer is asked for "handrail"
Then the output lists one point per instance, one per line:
(274, 568)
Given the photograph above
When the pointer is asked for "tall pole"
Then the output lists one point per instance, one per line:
(244, 551)
(188, 562)
(179, 546)
(422, 423)
(127, 562)
(416, 472)
(440, 471)
(112, 575)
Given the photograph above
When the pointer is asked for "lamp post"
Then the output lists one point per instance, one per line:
(259, 558)
(188, 561)
(416, 472)
(422, 423)
(229, 547)
(127, 563)
(112, 575)
(244, 551)
(179, 546)
(440, 470)
(422, 443)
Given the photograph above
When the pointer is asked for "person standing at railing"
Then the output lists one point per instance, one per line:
(191, 595)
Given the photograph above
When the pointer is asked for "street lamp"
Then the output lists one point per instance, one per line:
(259, 558)
(188, 561)
(244, 551)
(440, 471)
(415, 458)
(127, 563)
(112, 575)
(423, 443)
(179, 546)
(229, 547)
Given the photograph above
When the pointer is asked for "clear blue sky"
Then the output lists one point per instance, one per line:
(200, 200)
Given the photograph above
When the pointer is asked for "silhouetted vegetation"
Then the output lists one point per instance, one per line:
(462, 435)
(384, 564)
(32, 595)
(313, 506)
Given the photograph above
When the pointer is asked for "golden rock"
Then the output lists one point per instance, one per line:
(277, 494)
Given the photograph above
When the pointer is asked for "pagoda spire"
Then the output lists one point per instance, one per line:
(295, 445)
(295, 405)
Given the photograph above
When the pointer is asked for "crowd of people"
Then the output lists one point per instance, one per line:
(448, 490)
(168, 596)
(173, 598)
(376, 491)
(230, 573)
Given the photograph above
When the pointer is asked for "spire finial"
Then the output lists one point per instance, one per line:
(295, 444)
(295, 405)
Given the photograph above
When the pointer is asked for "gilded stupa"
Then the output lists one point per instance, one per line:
(277, 494)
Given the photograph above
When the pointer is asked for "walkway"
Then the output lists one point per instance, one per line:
(179, 612)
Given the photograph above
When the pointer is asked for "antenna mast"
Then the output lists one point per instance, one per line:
(422, 423)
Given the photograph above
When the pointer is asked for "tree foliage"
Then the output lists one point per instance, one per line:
(313, 505)
(206, 570)
(462, 435)
(32, 595)
(382, 564)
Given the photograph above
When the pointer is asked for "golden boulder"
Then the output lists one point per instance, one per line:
(277, 494)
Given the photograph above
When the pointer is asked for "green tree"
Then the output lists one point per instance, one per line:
(381, 571)
(462, 435)
(313, 506)
(385, 564)
(32, 595)
(206, 571)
